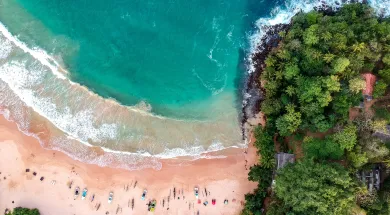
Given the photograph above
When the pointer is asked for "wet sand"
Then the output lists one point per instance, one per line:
(222, 178)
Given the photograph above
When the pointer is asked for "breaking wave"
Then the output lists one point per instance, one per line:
(36, 93)
(33, 86)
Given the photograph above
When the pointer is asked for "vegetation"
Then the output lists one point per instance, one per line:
(315, 188)
(261, 173)
(311, 80)
(315, 70)
(24, 211)
(322, 149)
(380, 204)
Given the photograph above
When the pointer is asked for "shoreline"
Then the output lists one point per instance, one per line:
(254, 93)
(42, 129)
(267, 35)
(143, 133)
(215, 174)
(220, 171)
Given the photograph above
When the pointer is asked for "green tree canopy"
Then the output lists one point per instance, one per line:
(254, 202)
(340, 64)
(264, 142)
(347, 137)
(24, 211)
(386, 59)
(322, 149)
(379, 89)
(289, 122)
(315, 188)
(311, 80)
(318, 64)
(356, 85)
(385, 74)
(357, 157)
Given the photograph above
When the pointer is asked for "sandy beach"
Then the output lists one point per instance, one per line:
(222, 178)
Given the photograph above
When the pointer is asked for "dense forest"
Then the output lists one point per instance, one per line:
(326, 102)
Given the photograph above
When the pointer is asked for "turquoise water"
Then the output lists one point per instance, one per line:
(169, 54)
(181, 60)
(186, 59)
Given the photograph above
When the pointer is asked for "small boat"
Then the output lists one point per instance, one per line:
(110, 197)
(92, 197)
(213, 201)
(84, 194)
(152, 205)
(144, 194)
(76, 192)
(196, 190)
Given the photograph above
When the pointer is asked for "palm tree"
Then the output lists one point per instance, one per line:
(279, 75)
(290, 90)
(326, 36)
(358, 47)
(295, 44)
(283, 54)
(268, 163)
(328, 57)
(386, 48)
(270, 61)
(316, 55)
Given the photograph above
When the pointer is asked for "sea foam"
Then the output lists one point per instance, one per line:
(74, 110)
(89, 119)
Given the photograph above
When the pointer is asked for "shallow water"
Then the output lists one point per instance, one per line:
(175, 55)
(154, 79)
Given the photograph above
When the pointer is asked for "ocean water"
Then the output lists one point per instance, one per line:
(174, 56)
(142, 79)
